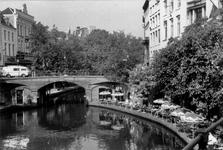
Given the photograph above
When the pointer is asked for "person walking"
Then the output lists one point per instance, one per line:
(33, 71)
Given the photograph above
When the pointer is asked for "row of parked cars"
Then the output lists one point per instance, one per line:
(15, 71)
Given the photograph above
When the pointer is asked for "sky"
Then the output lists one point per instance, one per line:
(110, 15)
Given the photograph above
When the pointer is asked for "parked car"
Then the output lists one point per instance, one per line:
(15, 71)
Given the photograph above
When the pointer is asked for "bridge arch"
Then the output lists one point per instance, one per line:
(107, 85)
(33, 84)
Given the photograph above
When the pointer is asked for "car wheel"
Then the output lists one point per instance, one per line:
(23, 75)
(8, 75)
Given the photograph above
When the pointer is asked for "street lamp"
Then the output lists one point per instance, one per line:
(17, 60)
(145, 42)
(65, 68)
(18, 65)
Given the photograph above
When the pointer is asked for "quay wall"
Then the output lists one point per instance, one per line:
(145, 116)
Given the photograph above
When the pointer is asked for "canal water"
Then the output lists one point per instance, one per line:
(76, 127)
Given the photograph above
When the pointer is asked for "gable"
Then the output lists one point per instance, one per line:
(8, 11)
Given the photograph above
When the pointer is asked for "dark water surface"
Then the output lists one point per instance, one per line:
(75, 127)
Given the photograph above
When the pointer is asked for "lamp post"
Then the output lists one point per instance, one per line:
(65, 64)
(145, 42)
(18, 65)
(17, 60)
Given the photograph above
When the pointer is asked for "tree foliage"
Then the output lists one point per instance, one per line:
(101, 52)
(113, 54)
(189, 69)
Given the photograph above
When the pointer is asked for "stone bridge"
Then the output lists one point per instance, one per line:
(91, 85)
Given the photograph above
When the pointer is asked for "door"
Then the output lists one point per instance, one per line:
(19, 96)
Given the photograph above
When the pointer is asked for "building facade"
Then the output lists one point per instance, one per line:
(164, 19)
(22, 22)
(84, 31)
(8, 41)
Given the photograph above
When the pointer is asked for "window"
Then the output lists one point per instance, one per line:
(4, 34)
(21, 30)
(13, 50)
(12, 37)
(178, 25)
(158, 19)
(5, 48)
(165, 6)
(156, 38)
(165, 30)
(171, 27)
(153, 9)
(153, 22)
(25, 31)
(23, 69)
(159, 36)
(198, 13)
(18, 29)
(8, 35)
(15, 69)
(171, 6)
(179, 3)
(29, 31)
(151, 39)
(9, 50)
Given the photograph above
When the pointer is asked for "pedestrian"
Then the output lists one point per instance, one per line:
(33, 71)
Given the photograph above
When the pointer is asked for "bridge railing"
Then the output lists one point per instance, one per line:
(202, 137)
(70, 73)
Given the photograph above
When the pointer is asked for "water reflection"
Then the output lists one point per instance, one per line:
(140, 135)
(73, 126)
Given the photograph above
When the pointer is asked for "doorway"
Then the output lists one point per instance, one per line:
(19, 96)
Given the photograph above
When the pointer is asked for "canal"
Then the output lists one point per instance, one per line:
(76, 127)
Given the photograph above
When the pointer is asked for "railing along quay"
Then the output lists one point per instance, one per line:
(202, 137)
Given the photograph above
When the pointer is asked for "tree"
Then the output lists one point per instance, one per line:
(112, 54)
(101, 52)
(125, 53)
(189, 70)
(199, 76)
(166, 65)
(39, 38)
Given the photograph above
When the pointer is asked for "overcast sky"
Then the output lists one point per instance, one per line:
(111, 15)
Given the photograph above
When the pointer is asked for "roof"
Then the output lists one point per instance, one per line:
(11, 11)
(4, 23)
(146, 5)
(8, 11)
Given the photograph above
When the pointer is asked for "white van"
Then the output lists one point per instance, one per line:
(15, 71)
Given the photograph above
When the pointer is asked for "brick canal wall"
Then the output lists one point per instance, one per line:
(146, 116)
